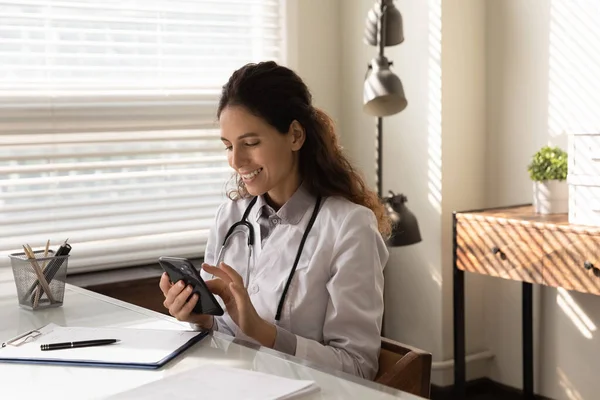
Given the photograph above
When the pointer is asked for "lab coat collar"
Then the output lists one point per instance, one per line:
(292, 211)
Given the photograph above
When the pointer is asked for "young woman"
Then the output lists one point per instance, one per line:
(311, 282)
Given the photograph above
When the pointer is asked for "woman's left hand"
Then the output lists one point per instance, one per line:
(230, 287)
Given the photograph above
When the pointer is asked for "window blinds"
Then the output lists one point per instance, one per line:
(108, 132)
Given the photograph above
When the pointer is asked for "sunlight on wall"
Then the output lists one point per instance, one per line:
(568, 387)
(436, 275)
(574, 89)
(570, 307)
(434, 112)
(573, 104)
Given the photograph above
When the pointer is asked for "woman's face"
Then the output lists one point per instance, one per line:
(265, 159)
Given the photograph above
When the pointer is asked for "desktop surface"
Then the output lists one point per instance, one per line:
(84, 308)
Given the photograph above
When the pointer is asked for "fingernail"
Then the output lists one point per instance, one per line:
(189, 288)
(180, 284)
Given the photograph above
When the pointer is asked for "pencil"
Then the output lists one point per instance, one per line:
(36, 297)
(38, 290)
(46, 253)
(38, 271)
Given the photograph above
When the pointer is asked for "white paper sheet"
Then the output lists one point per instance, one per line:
(146, 346)
(222, 383)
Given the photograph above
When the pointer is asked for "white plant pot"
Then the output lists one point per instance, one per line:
(551, 197)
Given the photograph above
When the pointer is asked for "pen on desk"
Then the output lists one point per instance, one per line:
(82, 343)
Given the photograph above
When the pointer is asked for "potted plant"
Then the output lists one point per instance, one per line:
(548, 171)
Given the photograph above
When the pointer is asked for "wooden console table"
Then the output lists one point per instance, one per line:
(516, 243)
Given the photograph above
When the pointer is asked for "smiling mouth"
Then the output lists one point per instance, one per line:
(251, 175)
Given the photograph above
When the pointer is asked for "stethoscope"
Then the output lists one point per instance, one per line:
(250, 242)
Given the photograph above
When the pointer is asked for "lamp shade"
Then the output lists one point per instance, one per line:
(405, 228)
(383, 93)
(393, 29)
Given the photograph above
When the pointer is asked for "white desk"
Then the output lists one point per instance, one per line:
(84, 308)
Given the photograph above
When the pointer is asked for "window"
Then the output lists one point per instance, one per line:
(108, 131)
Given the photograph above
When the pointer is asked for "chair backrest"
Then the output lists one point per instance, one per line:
(404, 368)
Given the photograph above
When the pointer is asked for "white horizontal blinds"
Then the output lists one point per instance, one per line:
(81, 113)
(108, 131)
(127, 199)
(137, 44)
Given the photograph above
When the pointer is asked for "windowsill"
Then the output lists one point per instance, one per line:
(119, 275)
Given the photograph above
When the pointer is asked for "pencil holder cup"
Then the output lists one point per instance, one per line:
(40, 282)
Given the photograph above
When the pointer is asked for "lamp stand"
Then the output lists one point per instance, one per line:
(378, 161)
(383, 95)
(379, 142)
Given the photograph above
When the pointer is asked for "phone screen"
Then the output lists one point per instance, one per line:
(182, 269)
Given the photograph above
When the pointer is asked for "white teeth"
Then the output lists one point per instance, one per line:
(252, 174)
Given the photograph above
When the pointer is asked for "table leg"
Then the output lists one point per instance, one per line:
(459, 324)
(528, 340)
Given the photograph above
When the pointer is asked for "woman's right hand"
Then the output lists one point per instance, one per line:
(176, 296)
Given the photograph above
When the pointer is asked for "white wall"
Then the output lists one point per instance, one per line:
(488, 82)
(517, 122)
(542, 81)
(412, 292)
(428, 153)
(314, 51)
(463, 158)
(512, 80)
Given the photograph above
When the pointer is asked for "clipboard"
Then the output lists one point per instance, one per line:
(137, 348)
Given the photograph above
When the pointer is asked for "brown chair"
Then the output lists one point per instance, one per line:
(404, 368)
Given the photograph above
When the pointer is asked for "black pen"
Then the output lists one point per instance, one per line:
(72, 345)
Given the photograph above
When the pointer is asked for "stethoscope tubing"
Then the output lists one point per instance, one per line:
(250, 243)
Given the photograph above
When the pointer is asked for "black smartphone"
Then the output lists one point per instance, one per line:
(181, 269)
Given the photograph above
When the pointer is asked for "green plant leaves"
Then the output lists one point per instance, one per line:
(547, 164)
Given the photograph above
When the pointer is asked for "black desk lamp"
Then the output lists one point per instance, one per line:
(383, 95)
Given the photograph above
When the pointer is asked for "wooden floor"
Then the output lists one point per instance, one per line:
(483, 389)
(496, 396)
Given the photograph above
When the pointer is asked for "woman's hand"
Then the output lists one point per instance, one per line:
(176, 296)
(230, 287)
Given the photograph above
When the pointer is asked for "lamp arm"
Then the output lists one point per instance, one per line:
(379, 144)
(382, 24)
(378, 161)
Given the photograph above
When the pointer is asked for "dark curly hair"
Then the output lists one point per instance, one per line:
(279, 96)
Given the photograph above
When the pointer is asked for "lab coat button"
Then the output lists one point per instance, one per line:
(254, 289)
(275, 221)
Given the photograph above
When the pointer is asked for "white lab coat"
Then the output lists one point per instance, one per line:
(334, 305)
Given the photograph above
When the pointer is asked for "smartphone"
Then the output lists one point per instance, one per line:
(181, 269)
